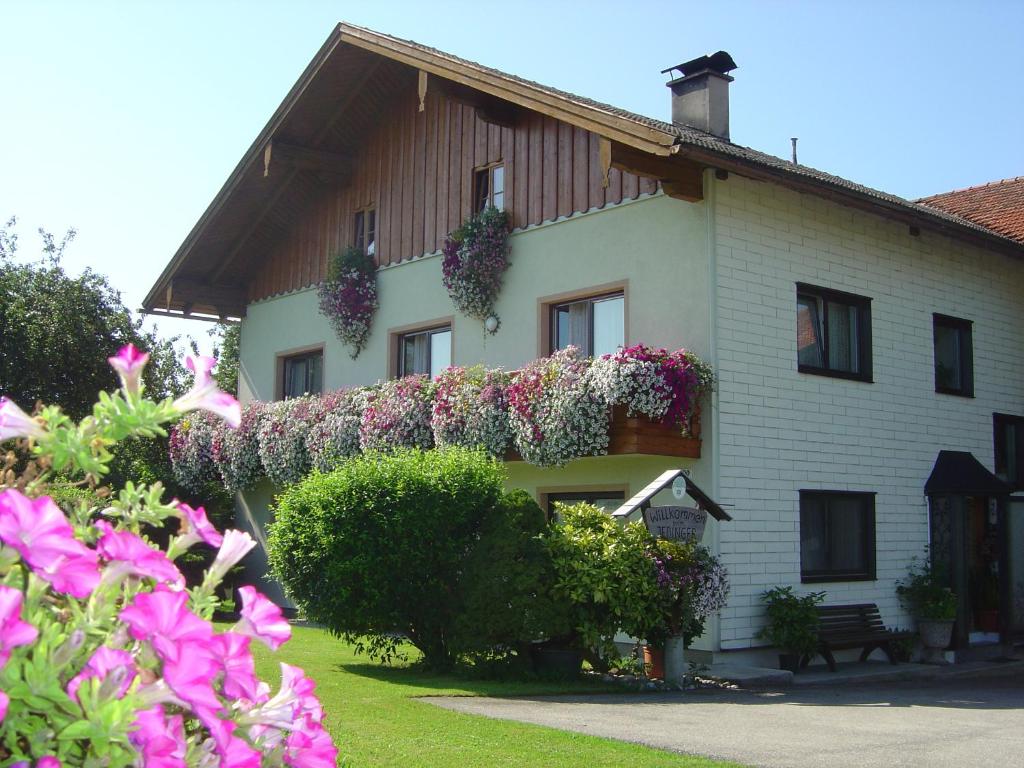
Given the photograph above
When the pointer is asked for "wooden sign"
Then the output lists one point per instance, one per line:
(676, 523)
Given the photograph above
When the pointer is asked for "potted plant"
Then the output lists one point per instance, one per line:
(792, 625)
(923, 593)
(903, 646)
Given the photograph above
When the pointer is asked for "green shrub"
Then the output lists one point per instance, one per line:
(505, 595)
(377, 547)
(923, 592)
(604, 575)
(792, 620)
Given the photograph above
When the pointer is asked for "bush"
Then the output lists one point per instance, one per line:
(377, 547)
(505, 589)
(605, 577)
(924, 593)
(792, 620)
(398, 415)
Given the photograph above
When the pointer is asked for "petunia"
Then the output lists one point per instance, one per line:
(232, 653)
(190, 672)
(262, 619)
(233, 751)
(162, 618)
(196, 527)
(13, 631)
(310, 746)
(14, 422)
(44, 539)
(129, 363)
(160, 740)
(204, 394)
(109, 665)
(134, 556)
(4, 701)
(235, 546)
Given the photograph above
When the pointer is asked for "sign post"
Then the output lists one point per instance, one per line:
(676, 523)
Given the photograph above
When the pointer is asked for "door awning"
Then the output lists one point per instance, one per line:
(642, 500)
(958, 473)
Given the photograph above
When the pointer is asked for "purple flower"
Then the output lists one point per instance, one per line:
(129, 363)
(103, 664)
(13, 631)
(204, 394)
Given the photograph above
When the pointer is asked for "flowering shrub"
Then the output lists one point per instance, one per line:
(282, 438)
(398, 416)
(348, 297)
(555, 412)
(471, 409)
(336, 436)
(105, 660)
(475, 259)
(693, 583)
(662, 385)
(191, 448)
(236, 452)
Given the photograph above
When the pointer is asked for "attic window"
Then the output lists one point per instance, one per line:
(489, 188)
(366, 230)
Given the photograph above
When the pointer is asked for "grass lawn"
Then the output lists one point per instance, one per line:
(376, 721)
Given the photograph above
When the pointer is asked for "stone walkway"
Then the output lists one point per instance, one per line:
(953, 721)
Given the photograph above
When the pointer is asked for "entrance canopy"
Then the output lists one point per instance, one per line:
(958, 473)
(666, 479)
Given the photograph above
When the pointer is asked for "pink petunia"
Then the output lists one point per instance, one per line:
(4, 701)
(45, 540)
(14, 422)
(204, 394)
(160, 740)
(232, 653)
(234, 547)
(262, 619)
(310, 746)
(129, 363)
(13, 631)
(163, 618)
(195, 526)
(106, 662)
(134, 556)
(190, 673)
(234, 752)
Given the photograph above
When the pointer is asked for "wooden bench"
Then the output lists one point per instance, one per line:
(853, 626)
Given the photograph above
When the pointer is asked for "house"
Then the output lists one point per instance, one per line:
(855, 335)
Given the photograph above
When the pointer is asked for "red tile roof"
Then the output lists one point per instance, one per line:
(998, 205)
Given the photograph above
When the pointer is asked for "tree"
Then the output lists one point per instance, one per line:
(59, 330)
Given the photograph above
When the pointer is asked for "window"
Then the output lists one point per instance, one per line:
(609, 501)
(303, 374)
(489, 188)
(954, 356)
(427, 352)
(837, 536)
(595, 325)
(833, 333)
(366, 230)
(1009, 445)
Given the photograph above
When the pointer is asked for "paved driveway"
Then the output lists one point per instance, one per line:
(954, 722)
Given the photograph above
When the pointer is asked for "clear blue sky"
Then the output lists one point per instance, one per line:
(124, 119)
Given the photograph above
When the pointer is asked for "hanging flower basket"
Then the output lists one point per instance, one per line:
(348, 297)
(475, 259)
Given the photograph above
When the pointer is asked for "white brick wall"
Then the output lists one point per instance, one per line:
(780, 430)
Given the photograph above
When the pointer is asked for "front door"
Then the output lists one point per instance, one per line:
(1013, 602)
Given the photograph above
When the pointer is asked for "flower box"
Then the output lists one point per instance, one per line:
(638, 435)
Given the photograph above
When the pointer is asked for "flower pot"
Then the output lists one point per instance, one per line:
(654, 661)
(556, 663)
(935, 636)
(790, 661)
(675, 661)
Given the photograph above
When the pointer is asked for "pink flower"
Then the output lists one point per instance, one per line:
(205, 396)
(262, 619)
(310, 746)
(134, 556)
(129, 363)
(13, 631)
(45, 540)
(117, 664)
(234, 752)
(195, 526)
(161, 741)
(162, 618)
(233, 656)
(14, 422)
(190, 673)
(235, 546)
(4, 701)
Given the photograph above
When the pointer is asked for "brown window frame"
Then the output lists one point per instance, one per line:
(548, 497)
(863, 306)
(284, 359)
(1000, 421)
(399, 335)
(485, 174)
(360, 229)
(868, 572)
(965, 330)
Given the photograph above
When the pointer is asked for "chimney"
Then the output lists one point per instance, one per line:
(700, 97)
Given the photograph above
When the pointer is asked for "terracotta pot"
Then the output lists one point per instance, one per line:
(654, 661)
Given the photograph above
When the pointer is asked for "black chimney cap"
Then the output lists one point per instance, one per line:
(720, 62)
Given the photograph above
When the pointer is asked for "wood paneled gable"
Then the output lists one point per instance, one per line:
(416, 168)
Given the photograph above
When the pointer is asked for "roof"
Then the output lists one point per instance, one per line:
(642, 500)
(959, 473)
(355, 61)
(998, 205)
